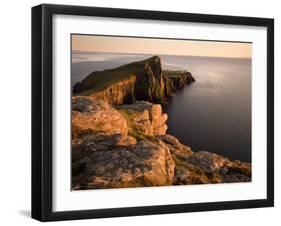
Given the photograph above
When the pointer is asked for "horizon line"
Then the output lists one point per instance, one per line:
(120, 53)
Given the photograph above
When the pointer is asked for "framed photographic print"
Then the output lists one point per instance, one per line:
(146, 112)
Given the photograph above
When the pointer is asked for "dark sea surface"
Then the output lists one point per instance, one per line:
(213, 113)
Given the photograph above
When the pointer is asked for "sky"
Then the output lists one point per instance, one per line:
(114, 44)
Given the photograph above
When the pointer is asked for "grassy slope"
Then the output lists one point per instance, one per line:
(99, 80)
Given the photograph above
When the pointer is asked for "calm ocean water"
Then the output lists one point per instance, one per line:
(213, 114)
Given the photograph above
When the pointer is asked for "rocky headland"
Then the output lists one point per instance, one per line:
(119, 134)
(142, 80)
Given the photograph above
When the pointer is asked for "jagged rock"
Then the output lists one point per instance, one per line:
(185, 172)
(150, 83)
(228, 170)
(138, 118)
(207, 161)
(204, 167)
(90, 115)
(179, 78)
(235, 177)
(176, 148)
(169, 88)
(239, 166)
(142, 164)
(189, 174)
(115, 139)
(145, 118)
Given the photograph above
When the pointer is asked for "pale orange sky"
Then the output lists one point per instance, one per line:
(109, 44)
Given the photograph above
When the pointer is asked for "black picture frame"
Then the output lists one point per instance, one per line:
(42, 107)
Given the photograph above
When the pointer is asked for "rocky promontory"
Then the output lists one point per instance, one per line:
(127, 146)
(138, 81)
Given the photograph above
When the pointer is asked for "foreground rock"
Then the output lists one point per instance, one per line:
(142, 80)
(104, 154)
(90, 115)
(105, 164)
(127, 146)
(204, 167)
(145, 118)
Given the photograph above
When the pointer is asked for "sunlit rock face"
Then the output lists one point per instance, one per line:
(145, 118)
(89, 114)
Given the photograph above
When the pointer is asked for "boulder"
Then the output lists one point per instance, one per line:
(176, 148)
(91, 115)
(108, 165)
(209, 162)
(189, 174)
(145, 118)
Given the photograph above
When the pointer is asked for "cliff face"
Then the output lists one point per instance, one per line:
(150, 84)
(127, 146)
(122, 92)
(143, 80)
(179, 78)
